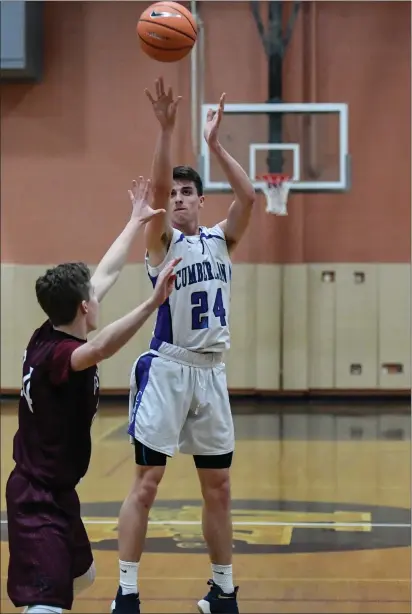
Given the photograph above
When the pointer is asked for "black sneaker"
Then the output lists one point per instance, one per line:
(218, 602)
(126, 604)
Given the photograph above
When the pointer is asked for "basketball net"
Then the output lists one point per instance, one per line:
(276, 191)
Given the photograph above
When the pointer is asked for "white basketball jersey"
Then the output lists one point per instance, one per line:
(196, 315)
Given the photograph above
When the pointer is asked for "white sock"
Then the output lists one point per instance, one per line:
(43, 609)
(222, 576)
(128, 577)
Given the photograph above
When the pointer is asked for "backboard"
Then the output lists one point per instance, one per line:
(308, 141)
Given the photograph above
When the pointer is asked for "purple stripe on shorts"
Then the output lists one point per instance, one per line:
(142, 377)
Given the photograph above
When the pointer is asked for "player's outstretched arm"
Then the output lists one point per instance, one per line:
(240, 210)
(158, 232)
(109, 268)
(114, 336)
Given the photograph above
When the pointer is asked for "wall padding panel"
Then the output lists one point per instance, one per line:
(268, 327)
(295, 327)
(241, 359)
(321, 327)
(394, 356)
(356, 326)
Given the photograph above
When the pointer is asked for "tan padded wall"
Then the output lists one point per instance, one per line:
(325, 327)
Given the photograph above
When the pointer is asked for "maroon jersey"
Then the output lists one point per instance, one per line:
(57, 406)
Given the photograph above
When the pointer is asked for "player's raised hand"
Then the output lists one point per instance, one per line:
(165, 282)
(164, 106)
(213, 120)
(139, 197)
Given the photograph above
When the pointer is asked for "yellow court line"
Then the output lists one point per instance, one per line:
(109, 431)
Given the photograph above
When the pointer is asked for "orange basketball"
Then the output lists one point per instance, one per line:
(167, 31)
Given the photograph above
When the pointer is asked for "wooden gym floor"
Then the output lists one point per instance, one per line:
(321, 508)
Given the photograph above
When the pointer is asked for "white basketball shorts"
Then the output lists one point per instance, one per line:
(179, 400)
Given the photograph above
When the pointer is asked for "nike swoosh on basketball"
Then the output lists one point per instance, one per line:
(164, 14)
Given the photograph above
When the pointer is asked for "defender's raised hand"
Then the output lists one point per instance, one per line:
(165, 282)
(164, 106)
(139, 196)
(213, 120)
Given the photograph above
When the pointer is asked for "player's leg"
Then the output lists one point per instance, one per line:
(156, 416)
(132, 528)
(39, 534)
(84, 570)
(216, 514)
(208, 434)
(217, 532)
(84, 581)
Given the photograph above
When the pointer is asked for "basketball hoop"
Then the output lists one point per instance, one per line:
(276, 191)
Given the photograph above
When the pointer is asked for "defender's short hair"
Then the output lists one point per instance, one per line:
(61, 290)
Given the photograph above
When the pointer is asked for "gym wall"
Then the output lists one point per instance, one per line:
(321, 299)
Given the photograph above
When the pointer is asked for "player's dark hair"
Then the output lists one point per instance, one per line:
(61, 290)
(187, 173)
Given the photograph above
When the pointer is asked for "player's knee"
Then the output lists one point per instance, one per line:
(82, 582)
(215, 485)
(146, 485)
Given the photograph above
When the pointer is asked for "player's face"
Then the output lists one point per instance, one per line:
(185, 202)
(92, 314)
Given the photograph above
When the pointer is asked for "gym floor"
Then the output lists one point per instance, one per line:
(321, 511)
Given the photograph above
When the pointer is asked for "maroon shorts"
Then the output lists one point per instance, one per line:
(48, 544)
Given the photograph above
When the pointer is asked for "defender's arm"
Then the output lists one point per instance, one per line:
(110, 266)
(114, 336)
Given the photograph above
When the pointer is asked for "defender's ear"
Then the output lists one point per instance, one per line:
(84, 307)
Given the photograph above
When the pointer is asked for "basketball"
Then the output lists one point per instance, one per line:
(167, 31)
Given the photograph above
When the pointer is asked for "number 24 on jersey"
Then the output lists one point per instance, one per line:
(200, 310)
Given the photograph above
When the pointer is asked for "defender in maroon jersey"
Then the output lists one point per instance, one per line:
(50, 553)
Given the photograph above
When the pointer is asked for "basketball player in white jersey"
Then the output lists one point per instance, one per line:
(179, 398)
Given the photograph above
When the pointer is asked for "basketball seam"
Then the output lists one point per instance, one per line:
(162, 48)
(169, 28)
(183, 15)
